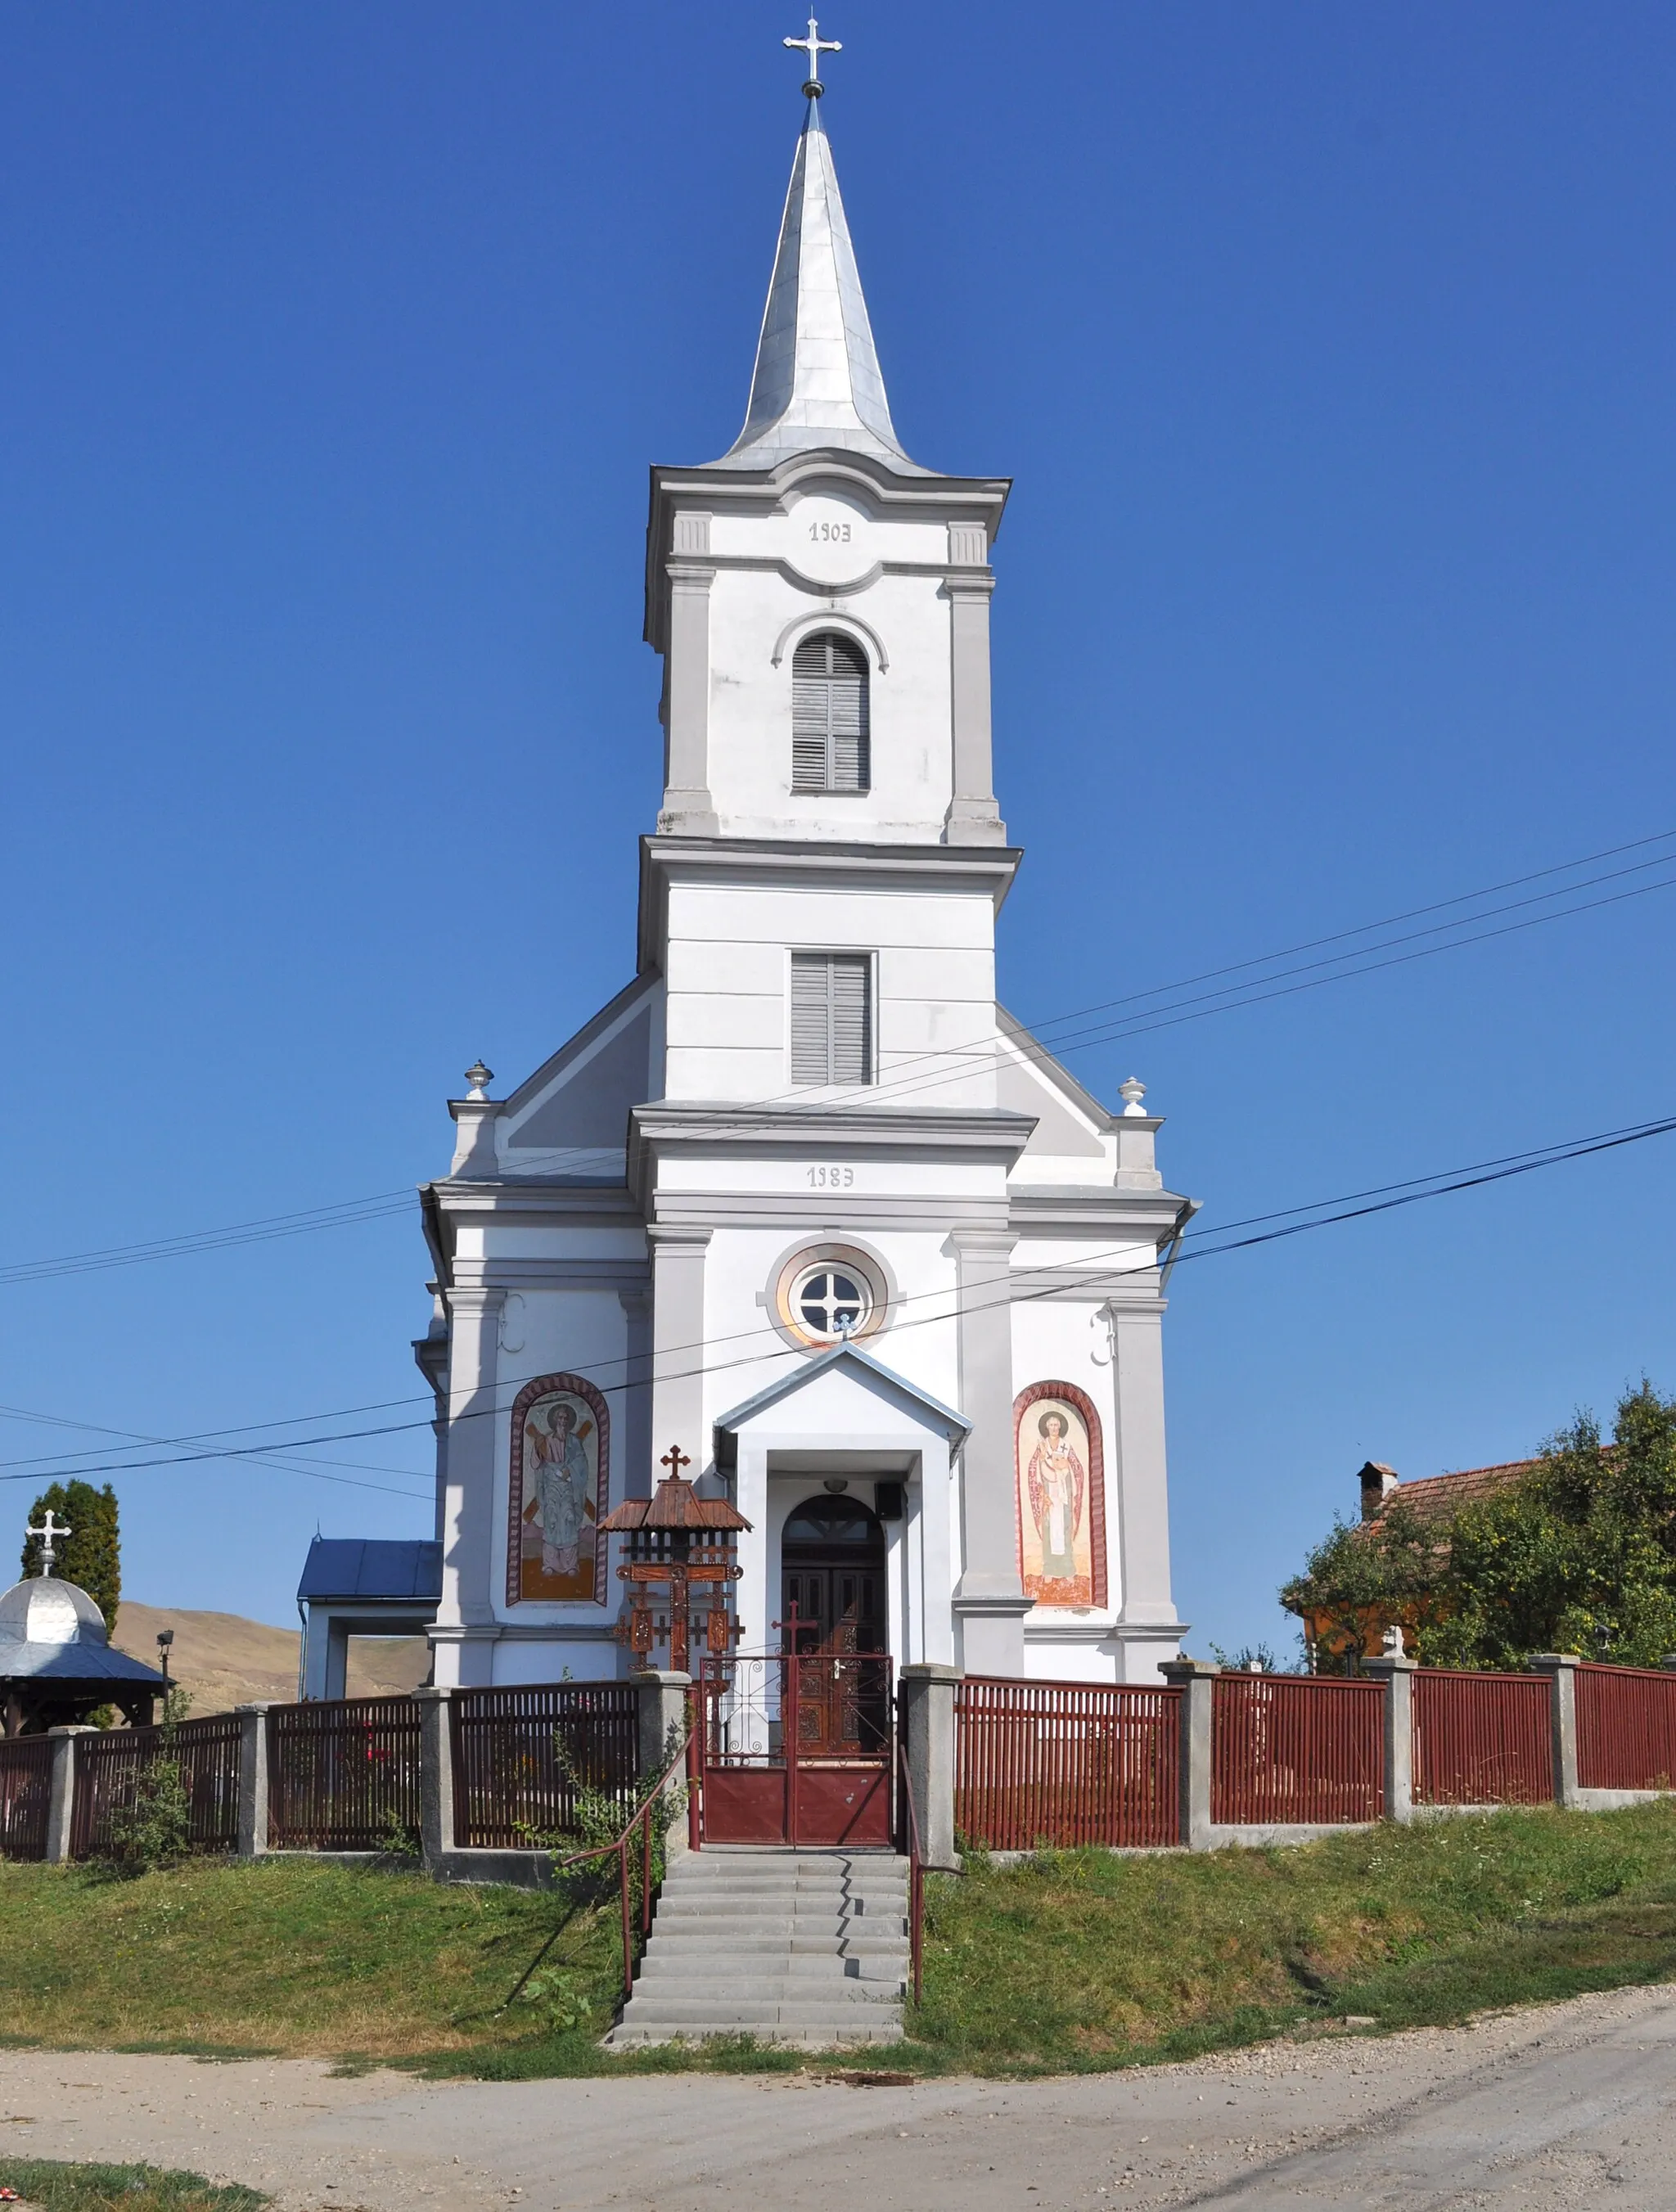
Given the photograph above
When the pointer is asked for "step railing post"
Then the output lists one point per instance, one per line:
(663, 1722)
(61, 1791)
(1396, 1672)
(436, 1779)
(928, 1728)
(252, 1721)
(1561, 1668)
(1195, 1679)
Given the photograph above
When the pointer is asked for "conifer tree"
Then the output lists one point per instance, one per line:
(91, 1555)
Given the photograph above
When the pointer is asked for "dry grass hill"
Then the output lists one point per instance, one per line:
(225, 1660)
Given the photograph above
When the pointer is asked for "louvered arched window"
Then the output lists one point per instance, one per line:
(829, 714)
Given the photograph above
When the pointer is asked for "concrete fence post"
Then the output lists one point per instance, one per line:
(436, 1779)
(252, 1721)
(1397, 1674)
(1561, 1668)
(61, 1791)
(1193, 1678)
(928, 1738)
(663, 1723)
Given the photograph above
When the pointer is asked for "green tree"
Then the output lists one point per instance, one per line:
(91, 1555)
(1579, 1554)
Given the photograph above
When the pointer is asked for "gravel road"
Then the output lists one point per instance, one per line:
(1556, 2110)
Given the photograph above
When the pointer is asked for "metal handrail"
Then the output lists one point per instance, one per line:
(916, 1870)
(642, 1820)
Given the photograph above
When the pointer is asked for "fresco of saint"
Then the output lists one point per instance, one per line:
(561, 1469)
(1057, 1562)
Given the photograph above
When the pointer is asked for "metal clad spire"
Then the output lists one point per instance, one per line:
(817, 381)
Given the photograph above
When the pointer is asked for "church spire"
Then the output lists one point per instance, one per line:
(816, 382)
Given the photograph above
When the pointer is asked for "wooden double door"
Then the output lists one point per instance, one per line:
(833, 1617)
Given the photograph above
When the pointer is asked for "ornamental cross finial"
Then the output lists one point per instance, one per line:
(675, 1459)
(46, 1537)
(815, 45)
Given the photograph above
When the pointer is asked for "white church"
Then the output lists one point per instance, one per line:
(804, 1204)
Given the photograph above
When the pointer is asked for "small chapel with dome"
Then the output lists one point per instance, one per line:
(57, 1662)
(804, 1207)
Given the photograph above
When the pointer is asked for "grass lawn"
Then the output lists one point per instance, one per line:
(1071, 1960)
(58, 2185)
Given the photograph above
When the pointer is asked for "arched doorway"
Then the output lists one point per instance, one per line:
(831, 1577)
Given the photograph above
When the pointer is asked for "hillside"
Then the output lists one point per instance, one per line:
(225, 1660)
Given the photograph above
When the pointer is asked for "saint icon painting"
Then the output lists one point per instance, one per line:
(558, 1493)
(1061, 1506)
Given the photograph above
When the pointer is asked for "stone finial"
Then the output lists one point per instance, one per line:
(1393, 1641)
(477, 1075)
(1132, 1093)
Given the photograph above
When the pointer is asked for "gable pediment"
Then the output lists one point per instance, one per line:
(573, 1113)
(839, 1389)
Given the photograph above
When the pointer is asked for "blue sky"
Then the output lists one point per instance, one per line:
(1331, 351)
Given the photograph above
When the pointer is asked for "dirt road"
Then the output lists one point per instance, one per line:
(1559, 2110)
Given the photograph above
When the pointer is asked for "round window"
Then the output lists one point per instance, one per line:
(830, 1303)
(821, 1294)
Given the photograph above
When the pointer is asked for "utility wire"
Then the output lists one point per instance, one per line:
(1036, 1046)
(1456, 1180)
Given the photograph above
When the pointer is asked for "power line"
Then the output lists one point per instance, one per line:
(1035, 1046)
(1444, 1183)
(276, 1458)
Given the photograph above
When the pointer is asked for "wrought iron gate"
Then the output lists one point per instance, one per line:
(796, 1747)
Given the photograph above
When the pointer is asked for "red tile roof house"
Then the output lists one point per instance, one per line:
(1433, 1497)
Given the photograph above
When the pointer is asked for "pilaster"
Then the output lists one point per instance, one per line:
(688, 810)
(636, 1461)
(1141, 1478)
(990, 1601)
(469, 1527)
(677, 1339)
(974, 817)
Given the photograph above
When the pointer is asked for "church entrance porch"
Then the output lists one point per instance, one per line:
(798, 1747)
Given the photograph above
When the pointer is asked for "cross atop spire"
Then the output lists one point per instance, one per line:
(814, 46)
(818, 382)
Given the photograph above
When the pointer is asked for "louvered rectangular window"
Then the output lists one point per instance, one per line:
(832, 1018)
(829, 715)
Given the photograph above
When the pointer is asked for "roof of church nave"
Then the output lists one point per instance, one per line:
(818, 382)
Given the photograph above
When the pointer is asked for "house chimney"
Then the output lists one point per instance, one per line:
(1378, 1482)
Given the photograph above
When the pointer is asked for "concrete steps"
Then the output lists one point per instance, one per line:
(799, 1946)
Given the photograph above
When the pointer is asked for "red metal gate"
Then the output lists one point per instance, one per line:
(796, 1747)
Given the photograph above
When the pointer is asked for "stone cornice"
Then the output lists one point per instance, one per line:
(762, 491)
(982, 1136)
(811, 862)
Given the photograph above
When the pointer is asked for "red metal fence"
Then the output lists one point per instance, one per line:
(109, 1766)
(1627, 1729)
(1296, 1749)
(26, 1785)
(1482, 1739)
(518, 1755)
(343, 1775)
(1065, 1763)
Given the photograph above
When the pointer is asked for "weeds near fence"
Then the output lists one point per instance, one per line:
(153, 1830)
